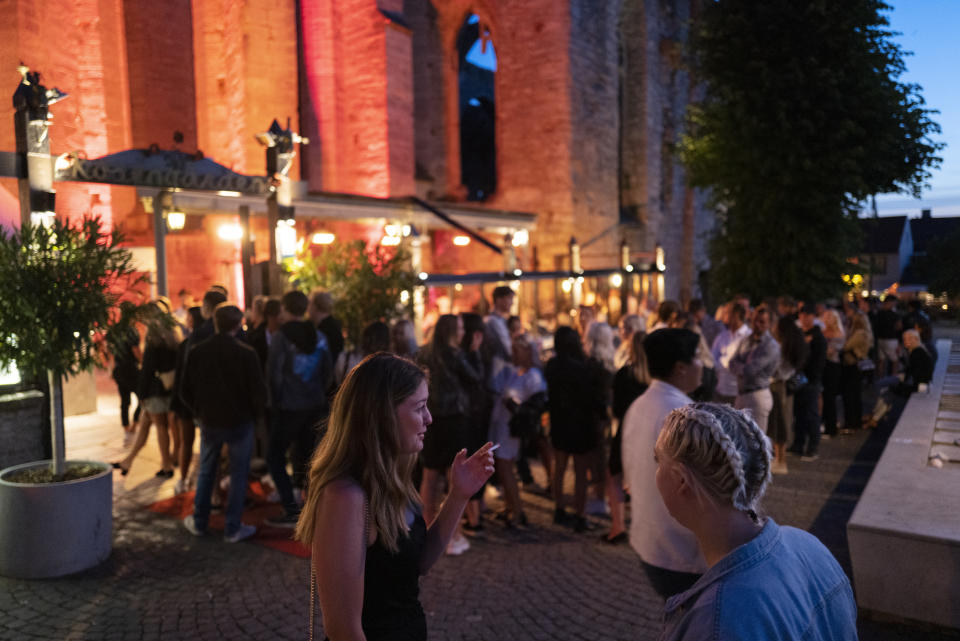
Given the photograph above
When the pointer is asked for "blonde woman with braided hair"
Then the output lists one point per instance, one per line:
(363, 519)
(763, 581)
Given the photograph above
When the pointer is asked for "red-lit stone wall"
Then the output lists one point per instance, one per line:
(357, 68)
(79, 47)
(162, 97)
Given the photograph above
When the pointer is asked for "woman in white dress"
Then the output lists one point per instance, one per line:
(521, 393)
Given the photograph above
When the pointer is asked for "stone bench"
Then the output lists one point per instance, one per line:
(904, 534)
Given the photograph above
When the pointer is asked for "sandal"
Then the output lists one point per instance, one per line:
(123, 471)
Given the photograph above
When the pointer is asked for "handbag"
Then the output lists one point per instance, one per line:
(795, 382)
(525, 417)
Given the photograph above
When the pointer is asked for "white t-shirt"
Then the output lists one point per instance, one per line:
(655, 535)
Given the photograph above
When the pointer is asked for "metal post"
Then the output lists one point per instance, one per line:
(58, 448)
(626, 278)
(246, 254)
(160, 238)
(31, 127)
(576, 270)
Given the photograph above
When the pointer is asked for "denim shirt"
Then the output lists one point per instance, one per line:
(755, 362)
(784, 584)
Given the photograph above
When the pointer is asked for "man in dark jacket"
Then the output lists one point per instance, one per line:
(807, 424)
(224, 386)
(299, 370)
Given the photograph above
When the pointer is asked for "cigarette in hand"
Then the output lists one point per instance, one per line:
(494, 447)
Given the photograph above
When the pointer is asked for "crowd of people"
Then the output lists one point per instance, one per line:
(682, 414)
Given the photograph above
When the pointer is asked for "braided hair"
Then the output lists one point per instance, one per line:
(724, 448)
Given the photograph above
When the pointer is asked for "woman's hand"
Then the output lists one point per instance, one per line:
(467, 475)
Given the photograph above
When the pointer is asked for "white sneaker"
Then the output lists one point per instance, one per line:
(191, 526)
(458, 545)
(243, 532)
(779, 467)
(179, 487)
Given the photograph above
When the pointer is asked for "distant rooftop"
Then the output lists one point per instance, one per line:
(882, 235)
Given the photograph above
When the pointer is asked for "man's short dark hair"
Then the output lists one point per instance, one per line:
(502, 291)
(213, 297)
(227, 318)
(666, 347)
(739, 310)
(694, 306)
(809, 308)
(295, 302)
(272, 307)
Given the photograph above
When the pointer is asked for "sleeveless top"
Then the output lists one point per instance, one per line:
(391, 588)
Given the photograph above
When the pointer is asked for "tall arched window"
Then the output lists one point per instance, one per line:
(478, 153)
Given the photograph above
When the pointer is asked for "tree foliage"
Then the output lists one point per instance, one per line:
(941, 265)
(366, 284)
(60, 286)
(803, 118)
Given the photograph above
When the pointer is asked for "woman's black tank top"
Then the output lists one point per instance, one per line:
(391, 589)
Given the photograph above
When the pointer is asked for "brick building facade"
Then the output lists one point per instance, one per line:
(588, 97)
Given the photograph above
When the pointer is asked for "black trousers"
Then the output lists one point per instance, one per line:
(831, 389)
(126, 392)
(669, 582)
(806, 425)
(850, 378)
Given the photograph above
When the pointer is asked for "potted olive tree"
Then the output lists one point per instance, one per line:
(60, 287)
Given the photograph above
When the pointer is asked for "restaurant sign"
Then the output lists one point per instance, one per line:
(160, 169)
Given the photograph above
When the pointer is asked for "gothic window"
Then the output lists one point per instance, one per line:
(478, 153)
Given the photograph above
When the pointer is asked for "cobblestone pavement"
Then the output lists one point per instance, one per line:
(543, 583)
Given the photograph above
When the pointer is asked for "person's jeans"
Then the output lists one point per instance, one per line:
(239, 442)
(296, 428)
(807, 425)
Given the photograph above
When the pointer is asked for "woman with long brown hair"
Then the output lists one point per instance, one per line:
(155, 389)
(362, 518)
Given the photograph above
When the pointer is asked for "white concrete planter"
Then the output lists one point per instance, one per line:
(53, 529)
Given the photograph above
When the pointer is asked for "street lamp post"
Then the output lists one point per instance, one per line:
(279, 143)
(32, 126)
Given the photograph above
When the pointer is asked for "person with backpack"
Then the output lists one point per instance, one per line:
(299, 371)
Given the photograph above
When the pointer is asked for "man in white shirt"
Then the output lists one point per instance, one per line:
(668, 551)
(723, 349)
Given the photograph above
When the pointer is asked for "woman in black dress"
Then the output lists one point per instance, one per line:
(576, 392)
(450, 376)
(362, 518)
